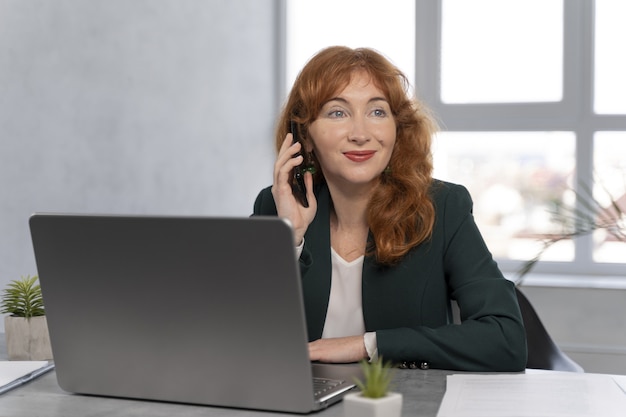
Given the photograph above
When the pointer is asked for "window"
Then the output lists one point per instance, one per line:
(610, 186)
(529, 95)
(488, 55)
(516, 180)
(315, 24)
(609, 80)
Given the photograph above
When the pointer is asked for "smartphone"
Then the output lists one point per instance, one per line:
(297, 182)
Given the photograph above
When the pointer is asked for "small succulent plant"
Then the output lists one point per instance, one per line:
(376, 378)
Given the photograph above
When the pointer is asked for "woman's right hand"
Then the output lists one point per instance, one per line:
(288, 207)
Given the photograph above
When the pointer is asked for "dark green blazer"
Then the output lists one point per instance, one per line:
(408, 305)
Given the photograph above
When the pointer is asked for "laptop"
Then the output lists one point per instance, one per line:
(198, 310)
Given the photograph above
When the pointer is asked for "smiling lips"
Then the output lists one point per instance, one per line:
(359, 156)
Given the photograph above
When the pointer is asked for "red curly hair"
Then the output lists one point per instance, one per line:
(400, 214)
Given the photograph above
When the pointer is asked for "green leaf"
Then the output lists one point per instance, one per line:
(22, 298)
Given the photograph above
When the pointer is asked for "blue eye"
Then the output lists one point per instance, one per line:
(336, 113)
(380, 113)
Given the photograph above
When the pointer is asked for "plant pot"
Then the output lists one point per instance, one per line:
(27, 338)
(356, 405)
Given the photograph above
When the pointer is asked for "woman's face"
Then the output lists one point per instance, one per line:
(354, 134)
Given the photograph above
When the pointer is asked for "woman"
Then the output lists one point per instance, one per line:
(383, 246)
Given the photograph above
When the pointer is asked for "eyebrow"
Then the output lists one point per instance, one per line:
(343, 100)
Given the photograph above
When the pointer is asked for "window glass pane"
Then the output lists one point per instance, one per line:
(610, 62)
(516, 179)
(315, 24)
(501, 51)
(610, 193)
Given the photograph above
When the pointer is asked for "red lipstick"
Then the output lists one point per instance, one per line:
(359, 156)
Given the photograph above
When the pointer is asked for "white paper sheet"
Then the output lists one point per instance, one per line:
(621, 381)
(15, 373)
(533, 394)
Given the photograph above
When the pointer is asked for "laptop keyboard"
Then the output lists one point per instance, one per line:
(322, 386)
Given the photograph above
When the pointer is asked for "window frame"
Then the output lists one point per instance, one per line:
(573, 113)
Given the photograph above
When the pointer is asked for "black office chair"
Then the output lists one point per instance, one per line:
(543, 353)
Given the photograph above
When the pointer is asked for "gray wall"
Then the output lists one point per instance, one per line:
(132, 106)
(587, 323)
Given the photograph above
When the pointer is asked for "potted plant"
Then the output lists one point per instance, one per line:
(374, 398)
(26, 328)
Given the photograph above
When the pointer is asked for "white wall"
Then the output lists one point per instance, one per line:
(132, 106)
(587, 323)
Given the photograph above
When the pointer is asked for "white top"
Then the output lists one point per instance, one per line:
(345, 308)
(344, 316)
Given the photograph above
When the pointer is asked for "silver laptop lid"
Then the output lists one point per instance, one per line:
(196, 310)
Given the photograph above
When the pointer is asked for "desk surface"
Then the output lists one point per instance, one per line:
(422, 392)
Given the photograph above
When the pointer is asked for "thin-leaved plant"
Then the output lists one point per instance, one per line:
(22, 298)
(582, 219)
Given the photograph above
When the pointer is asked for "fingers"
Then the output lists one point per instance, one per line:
(287, 205)
(286, 162)
(289, 148)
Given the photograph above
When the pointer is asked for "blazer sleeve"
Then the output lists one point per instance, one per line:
(264, 204)
(491, 335)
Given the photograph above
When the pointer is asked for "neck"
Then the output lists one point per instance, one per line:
(348, 227)
(350, 209)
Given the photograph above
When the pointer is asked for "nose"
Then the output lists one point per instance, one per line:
(359, 133)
